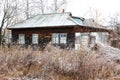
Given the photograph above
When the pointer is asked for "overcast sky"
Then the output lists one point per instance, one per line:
(106, 7)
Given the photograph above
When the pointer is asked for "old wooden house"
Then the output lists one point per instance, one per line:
(59, 28)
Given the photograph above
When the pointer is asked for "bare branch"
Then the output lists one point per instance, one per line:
(7, 14)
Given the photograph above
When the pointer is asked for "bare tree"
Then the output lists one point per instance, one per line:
(16, 11)
(7, 15)
(48, 6)
(115, 24)
(96, 15)
(55, 5)
(96, 20)
(58, 5)
(114, 20)
(40, 5)
(27, 7)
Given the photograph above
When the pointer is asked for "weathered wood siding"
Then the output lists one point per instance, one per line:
(45, 35)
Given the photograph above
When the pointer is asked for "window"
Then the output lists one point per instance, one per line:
(59, 38)
(35, 38)
(84, 34)
(55, 38)
(21, 39)
(63, 38)
(78, 20)
(93, 39)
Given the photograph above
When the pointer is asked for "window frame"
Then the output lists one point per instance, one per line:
(55, 38)
(35, 38)
(63, 38)
(60, 38)
(21, 36)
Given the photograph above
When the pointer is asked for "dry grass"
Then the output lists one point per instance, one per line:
(55, 64)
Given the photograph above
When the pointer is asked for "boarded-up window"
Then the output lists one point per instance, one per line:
(55, 38)
(35, 38)
(63, 38)
(21, 39)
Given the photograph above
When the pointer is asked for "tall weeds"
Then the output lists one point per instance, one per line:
(55, 64)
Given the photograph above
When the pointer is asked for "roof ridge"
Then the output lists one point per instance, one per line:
(54, 13)
(42, 14)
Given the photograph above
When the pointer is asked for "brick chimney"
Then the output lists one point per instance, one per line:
(63, 10)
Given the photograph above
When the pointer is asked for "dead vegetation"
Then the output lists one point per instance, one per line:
(99, 62)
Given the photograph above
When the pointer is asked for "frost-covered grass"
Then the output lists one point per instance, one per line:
(99, 62)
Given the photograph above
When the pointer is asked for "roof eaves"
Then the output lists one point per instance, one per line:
(10, 28)
(107, 30)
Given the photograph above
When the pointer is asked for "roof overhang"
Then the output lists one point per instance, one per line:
(37, 27)
(80, 28)
(76, 28)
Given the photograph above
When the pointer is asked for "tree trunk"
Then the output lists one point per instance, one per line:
(0, 36)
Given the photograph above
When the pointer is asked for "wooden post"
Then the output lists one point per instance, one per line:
(110, 38)
(71, 40)
(0, 36)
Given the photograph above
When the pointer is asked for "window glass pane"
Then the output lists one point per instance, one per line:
(93, 39)
(55, 38)
(63, 38)
(35, 38)
(21, 39)
(79, 21)
(84, 34)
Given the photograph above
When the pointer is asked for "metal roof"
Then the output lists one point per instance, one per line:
(54, 20)
(46, 20)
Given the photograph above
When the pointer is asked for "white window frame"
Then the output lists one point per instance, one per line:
(59, 38)
(93, 39)
(55, 38)
(21, 38)
(63, 38)
(35, 38)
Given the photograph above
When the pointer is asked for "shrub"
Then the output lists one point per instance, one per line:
(59, 64)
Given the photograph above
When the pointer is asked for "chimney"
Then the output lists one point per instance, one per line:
(63, 10)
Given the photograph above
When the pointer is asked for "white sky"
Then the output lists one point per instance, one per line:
(106, 7)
